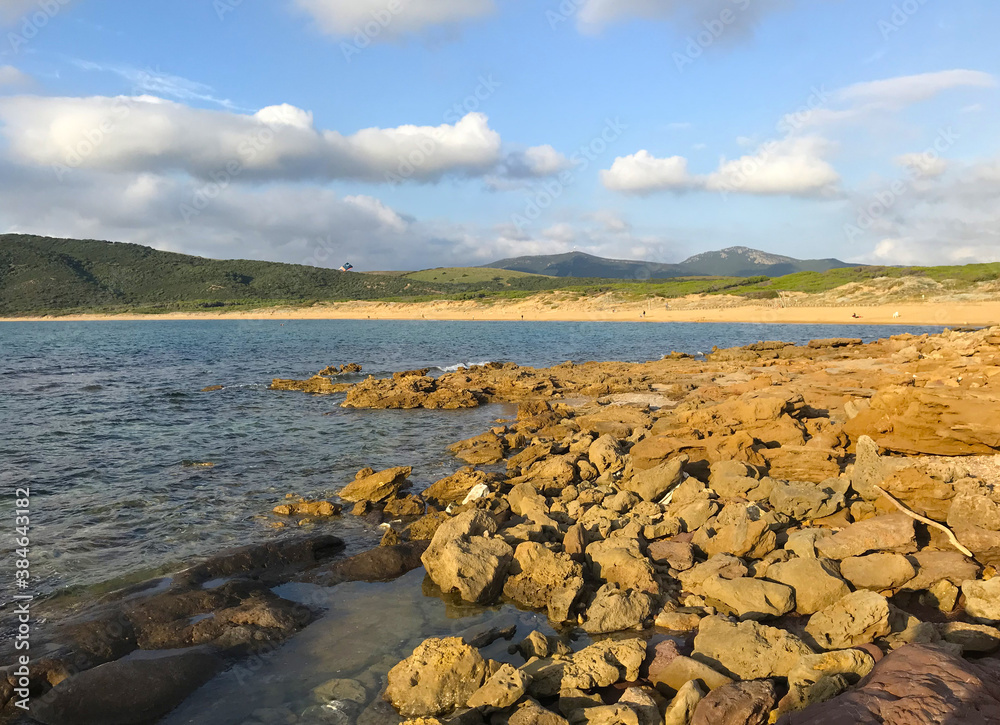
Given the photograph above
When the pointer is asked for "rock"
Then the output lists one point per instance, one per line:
(604, 663)
(856, 619)
(654, 483)
(930, 421)
(892, 532)
(126, 692)
(440, 676)
(935, 566)
(531, 713)
(424, 528)
(682, 670)
(501, 690)
(480, 450)
(802, 543)
(309, 508)
(573, 702)
(541, 579)
(341, 689)
(405, 506)
(942, 595)
(460, 558)
(740, 531)
(377, 487)
(609, 715)
(618, 560)
(381, 564)
(802, 463)
(606, 454)
(750, 598)
(724, 565)
(982, 600)
(614, 610)
(269, 562)
(878, 572)
(747, 650)
(575, 542)
(677, 555)
(741, 703)
(921, 493)
(734, 479)
(805, 500)
(640, 700)
(454, 488)
(817, 678)
(915, 685)
(681, 708)
(678, 621)
(976, 638)
(869, 469)
(815, 581)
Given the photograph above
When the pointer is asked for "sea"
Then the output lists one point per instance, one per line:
(106, 424)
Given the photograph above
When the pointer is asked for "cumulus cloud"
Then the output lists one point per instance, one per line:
(11, 76)
(145, 133)
(391, 18)
(793, 167)
(534, 162)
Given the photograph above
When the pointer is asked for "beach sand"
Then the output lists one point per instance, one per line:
(948, 313)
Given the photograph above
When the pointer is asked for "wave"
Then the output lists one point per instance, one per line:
(460, 366)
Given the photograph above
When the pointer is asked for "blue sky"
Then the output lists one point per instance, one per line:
(649, 129)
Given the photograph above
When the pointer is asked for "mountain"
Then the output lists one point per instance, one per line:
(730, 262)
(41, 274)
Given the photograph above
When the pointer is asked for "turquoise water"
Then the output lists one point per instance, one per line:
(100, 418)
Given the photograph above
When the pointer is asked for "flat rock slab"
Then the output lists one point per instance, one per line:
(126, 692)
(915, 685)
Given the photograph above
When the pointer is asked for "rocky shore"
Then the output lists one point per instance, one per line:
(772, 534)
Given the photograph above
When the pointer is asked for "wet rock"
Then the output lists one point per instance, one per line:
(377, 487)
(816, 583)
(747, 650)
(440, 676)
(460, 557)
(654, 483)
(405, 506)
(380, 564)
(480, 450)
(892, 533)
(501, 690)
(982, 600)
(741, 703)
(126, 691)
(877, 572)
(615, 609)
(915, 685)
(309, 508)
(542, 579)
(270, 561)
(750, 598)
(341, 689)
(856, 619)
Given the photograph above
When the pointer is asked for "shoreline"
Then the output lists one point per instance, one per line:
(927, 313)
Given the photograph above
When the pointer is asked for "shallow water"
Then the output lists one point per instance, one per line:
(102, 420)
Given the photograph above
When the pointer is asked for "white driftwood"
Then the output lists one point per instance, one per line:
(924, 520)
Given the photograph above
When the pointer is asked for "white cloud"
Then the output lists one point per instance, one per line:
(906, 90)
(793, 167)
(11, 76)
(147, 81)
(148, 134)
(390, 19)
(534, 162)
(642, 173)
(923, 165)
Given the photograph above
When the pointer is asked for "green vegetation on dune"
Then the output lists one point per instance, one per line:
(816, 282)
(467, 275)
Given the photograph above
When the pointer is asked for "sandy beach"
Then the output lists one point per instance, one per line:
(949, 313)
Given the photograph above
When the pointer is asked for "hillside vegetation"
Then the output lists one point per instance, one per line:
(40, 276)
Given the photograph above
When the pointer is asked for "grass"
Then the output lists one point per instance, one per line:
(467, 275)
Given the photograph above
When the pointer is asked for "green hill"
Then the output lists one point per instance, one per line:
(40, 275)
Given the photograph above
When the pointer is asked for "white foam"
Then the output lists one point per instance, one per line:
(461, 366)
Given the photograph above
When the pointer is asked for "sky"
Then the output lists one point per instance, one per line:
(408, 134)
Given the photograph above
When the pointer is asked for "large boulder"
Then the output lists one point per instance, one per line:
(750, 598)
(381, 564)
(747, 650)
(479, 450)
(892, 532)
(802, 463)
(654, 483)
(377, 487)
(607, 454)
(802, 500)
(740, 530)
(915, 685)
(817, 678)
(619, 560)
(816, 583)
(878, 572)
(615, 609)
(454, 488)
(461, 558)
(858, 618)
(982, 600)
(741, 703)
(542, 579)
(130, 691)
(503, 689)
(440, 676)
